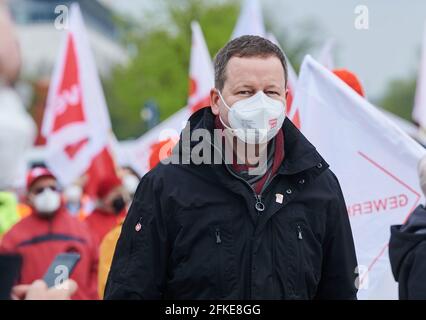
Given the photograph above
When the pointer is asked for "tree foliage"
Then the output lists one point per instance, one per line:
(399, 97)
(159, 70)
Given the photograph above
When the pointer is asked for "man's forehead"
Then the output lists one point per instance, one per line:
(251, 70)
(43, 181)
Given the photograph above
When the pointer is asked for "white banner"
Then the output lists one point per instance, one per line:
(375, 162)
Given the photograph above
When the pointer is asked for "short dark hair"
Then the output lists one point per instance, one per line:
(245, 46)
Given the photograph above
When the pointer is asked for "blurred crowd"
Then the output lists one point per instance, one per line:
(39, 218)
(48, 220)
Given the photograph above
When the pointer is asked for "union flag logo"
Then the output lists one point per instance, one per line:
(273, 123)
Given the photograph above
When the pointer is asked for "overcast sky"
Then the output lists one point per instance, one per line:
(389, 49)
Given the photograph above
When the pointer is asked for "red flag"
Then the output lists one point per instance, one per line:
(70, 104)
(102, 164)
(76, 121)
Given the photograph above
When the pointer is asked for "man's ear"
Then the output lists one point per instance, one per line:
(214, 101)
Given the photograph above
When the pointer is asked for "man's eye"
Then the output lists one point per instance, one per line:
(272, 93)
(244, 92)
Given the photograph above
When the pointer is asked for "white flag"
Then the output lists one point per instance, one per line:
(291, 112)
(250, 21)
(292, 75)
(76, 122)
(375, 162)
(326, 54)
(201, 74)
(419, 111)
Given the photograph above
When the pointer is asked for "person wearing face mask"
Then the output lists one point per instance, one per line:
(260, 217)
(130, 179)
(48, 231)
(111, 209)
(73, 195)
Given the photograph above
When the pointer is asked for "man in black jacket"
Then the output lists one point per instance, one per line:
(271, 227)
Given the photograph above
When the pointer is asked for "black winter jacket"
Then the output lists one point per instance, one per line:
(193, 232)
(407, 253)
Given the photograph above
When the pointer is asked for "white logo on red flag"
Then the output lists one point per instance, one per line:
(68, 105)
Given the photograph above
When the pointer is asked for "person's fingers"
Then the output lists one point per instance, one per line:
(73, 287)
(19, 292)
(63, 291)
(37, 290)
(70, 286)
(39, 284)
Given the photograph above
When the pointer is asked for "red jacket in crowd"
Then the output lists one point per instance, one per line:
(39, 240)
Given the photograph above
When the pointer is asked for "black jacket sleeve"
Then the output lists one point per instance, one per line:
(139, 266)
(338, 273)
(416, 280)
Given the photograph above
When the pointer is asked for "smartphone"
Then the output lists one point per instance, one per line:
(61, 268)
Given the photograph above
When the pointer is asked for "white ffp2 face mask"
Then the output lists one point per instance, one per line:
(47, 202)
(256, 119)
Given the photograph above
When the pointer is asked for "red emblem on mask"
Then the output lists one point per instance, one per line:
(273, 123)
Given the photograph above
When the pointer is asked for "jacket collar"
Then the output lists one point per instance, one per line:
(301, 155)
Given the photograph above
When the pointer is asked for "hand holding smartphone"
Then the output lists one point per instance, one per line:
(61, 268)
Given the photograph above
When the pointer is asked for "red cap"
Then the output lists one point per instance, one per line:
(37, 173)
(107, 184)
(351, 80)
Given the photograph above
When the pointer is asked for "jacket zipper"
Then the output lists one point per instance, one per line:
(299, 234)
(218, 243)
(259, 205)
(218, 239)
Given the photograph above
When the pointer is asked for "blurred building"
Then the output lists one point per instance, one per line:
(40, 40)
